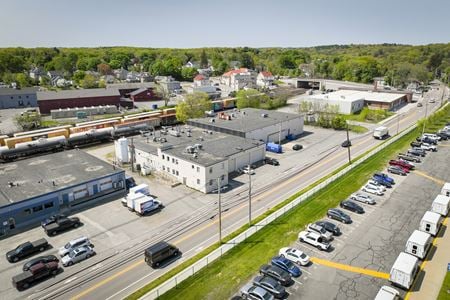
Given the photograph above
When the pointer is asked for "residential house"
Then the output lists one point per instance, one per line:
(55, 76)
(264, 79)
(121, 74)
(239, 78)
(133, 77)
(169, 84)
(36, 73)
(201, 80)
(191, 64)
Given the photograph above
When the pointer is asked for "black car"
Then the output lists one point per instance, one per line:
(330, 227)
(339, 215)
(352, 206)
(52, 219)
(297, 147)
(61, 225)
(38, 260)
(346, 144)
(443, 135)
(271, 285)
(416, 144)
(277, 273)
(271, 161)
(396, 170)
(417, 152)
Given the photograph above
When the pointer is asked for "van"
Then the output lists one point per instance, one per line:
(156, 254)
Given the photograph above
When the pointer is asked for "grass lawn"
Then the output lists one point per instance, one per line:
(369, 115)
(358, 128)
(444, 294)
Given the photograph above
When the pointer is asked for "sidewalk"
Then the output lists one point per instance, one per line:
(435, 270)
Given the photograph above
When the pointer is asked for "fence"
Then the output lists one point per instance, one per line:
(205, 261)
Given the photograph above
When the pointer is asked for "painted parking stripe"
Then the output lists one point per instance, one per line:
(349, 268)
(303, 270)
(423, 174)
(297, 281)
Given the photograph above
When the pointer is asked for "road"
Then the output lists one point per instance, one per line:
(125, 272)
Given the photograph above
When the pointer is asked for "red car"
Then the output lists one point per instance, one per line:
(401, 163)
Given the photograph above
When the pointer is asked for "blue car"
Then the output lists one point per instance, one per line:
(286, 265)
(383, 177)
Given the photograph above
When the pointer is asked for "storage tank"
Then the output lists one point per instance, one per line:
(121, 147)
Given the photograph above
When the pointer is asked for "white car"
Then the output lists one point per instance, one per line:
(376, 185)
(294, 255)
(372, 190)
(77, 255)
(362, 198)
(428, 147)
(431, 136)
(246, 170)
(314, 239)
(73, 244)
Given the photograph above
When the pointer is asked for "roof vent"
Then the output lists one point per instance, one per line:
(198, 146)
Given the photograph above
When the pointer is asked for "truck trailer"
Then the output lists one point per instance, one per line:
(404, 270)
(446, 189)
(141, 188)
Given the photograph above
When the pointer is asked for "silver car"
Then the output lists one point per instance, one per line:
(251, 291)
(77, 255)
(362, 198)
(73, 244)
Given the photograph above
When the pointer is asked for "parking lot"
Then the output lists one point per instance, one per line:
(361, 258)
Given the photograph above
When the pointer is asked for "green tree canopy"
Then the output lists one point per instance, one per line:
(194, 106)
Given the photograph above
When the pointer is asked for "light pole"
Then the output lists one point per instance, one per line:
(425, 119)
(398, 122)
(348, 144)
(220, 211)
(249, 196)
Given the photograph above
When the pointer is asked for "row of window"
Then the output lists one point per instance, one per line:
(20, 97)
(38, 208)
(174, 160)
(174, 172)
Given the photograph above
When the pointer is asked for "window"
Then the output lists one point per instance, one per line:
(193, 167)
(210, 170)
(27, 211)
(168, 170)
(37, 208)
(48, 205)
(173, 171)
(223, 166)
(176, 162)
(198, 181)
(173, 160)
(164, 168)
(168, 158)
(163, 156)
(222, 177)
(177, 173)
(27, 97)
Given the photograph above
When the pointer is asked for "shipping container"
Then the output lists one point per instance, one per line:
(154, 113)
(2, 139)
(217, 105)
(82, 124)
(441, 205)
(418, 244)
(404, 270)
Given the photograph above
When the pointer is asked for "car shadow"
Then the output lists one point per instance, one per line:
(168, 261)
(60, 270)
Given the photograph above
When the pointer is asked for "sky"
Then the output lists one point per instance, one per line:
(212, 23)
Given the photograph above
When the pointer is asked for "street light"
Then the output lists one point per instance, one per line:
(349, 145)
(220, 210)
(249, 196)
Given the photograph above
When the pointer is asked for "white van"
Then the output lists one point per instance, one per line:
(418, 244)
(446, 189)
(404, 270)
(441, 205)
(430, 223)
(387, 293)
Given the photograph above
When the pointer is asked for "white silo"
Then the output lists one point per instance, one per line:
(121, 147)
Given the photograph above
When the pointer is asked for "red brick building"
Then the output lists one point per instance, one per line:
(143, 94)
(77, 98)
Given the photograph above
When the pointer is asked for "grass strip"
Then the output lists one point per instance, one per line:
(444, 293)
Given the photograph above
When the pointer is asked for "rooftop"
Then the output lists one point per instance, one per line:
(419, 237)
(353, 95)
(129, 86)
(405, 262)
(40, 175)
(11, 91)
(244, 120)
(82, 93)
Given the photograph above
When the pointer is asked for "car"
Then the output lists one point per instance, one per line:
(39, 260)
(330, 227)
(417, 152)
(431, 136)
(338, 215)
(297, 147)
(362, 198)
(443, 135)
(352, 206)
(294, 255)
(397, 170)
(286, 265)
(419, 104)
(253, 292)
(408, 157)
(314, 239)
(346, 144)
(377, 185)
(425, 139)
(416, 144)
(371, 189)
(381, 182)
(312, 227)
(385, 177)
(428, 147)
(277, 273)
(270, 285)
(73, 244)
(401, 163)
(52, 219)
(248, 170)
(77, 255)
(432, 100)
(271, 161)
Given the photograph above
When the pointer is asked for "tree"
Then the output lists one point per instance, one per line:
(247, 61)
(28, 121)
(115, 64)
(104, 69)
(78, 76)
(203, 59)
(250, 98)
(188, 74)
(194, 106)
(89, 82)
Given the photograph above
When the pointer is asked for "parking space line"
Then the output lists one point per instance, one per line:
(297, 281)
(307, 272)
(423, 174)
(349, 268)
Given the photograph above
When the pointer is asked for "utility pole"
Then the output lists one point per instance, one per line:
(132, 155)
(348, 148)
(220, 211)
(279, 134)
(249, 196)
(398, 122)
(425, 119)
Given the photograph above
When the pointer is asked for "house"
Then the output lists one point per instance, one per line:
(264, 79)
(109, 78)
(143, 94)
(207, 71)
(191, 64)
(36, 73)
(145, 77)
(54, 76)
(133, 77)
(121, 74)
(169, 84)
(17, 98)
(201, 80)
(238, 79)
(379, 82)
(61, 82)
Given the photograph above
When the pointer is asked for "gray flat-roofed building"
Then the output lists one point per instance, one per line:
(36, 188)
(18, 98)
(256, 124)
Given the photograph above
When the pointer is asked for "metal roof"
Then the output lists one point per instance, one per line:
(73, 94)
(22, 91)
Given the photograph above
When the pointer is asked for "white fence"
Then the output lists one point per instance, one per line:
(189, 271)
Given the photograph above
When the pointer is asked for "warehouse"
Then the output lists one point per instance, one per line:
(77, 98)
(195, 157)
(36, 188)
(18, 98)
(256, 124)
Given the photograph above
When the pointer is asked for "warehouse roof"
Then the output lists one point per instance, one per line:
(73, 94)
(244, 120)
(32, 177)
(131, 85)
(10, 91)
(354, 95)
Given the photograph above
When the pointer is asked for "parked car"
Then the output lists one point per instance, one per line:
(385, 177)
(381, 181)
(443, 135)
(294, 255)
(376, 185)
(425, 139)
(397, 170)
(77, 255)
(270, 285)
(26, 249)
(408, 157)
(428, 147)
(417, 152)
(314, 239)
(297, 147)
(371, 189)
(431, 136)
(277, 273)
(248, 170)
(312, 227)
(286, 265)
(52, 219)
(362, 198)
(352, 206)
(401, 163)
(330, 227)
(35, 273)
(346, 144)
(339, 215)
(250, 291)
(39, 260)
(62, 225)
(271, 161)
(73, 244)
(416, 144)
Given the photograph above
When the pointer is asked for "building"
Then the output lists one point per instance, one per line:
(34, 189)
(201, 80)
(169, 84)
(239, 78)
(348, 102)
(77, 98)
(17, 98)
(126, 88)
(265, 79)
(121, 73)
(83, 111)
(257, 124)
(144, 94)
(195, 157)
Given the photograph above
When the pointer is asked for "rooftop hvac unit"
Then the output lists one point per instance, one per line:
(174, 132)
(195, 155)
(198, 146)
(188, 134)
(190, 149)
(212, 120)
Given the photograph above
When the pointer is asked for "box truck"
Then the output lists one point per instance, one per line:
(430, 222)
(387, 293)
(418, 244)
(441, 205)
(146, 204)
(446, 189)
(141, 188)
(404, 270)
(131, 200)
(381, 132)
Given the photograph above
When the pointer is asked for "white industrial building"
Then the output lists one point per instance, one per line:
(257, 124)
(195, 157)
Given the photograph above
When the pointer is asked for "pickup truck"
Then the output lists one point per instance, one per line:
(409, 157)
(26, 249)
(61, 225)
(36, 272)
